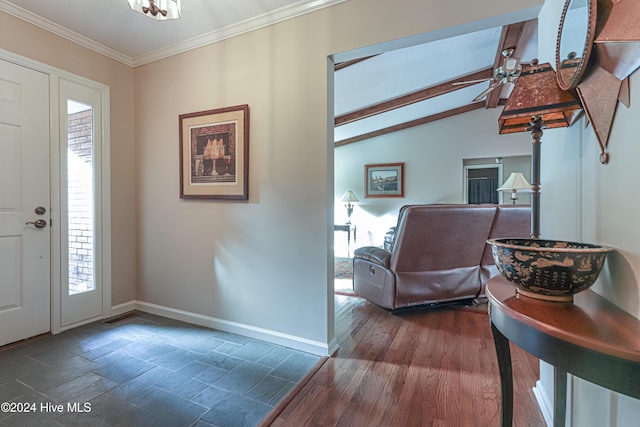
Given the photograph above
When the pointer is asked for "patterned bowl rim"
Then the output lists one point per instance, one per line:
(584, 247)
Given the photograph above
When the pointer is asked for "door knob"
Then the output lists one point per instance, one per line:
(40, 223)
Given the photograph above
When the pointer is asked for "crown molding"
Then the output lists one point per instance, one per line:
(64, 32)
(242, 27)
(261, 21)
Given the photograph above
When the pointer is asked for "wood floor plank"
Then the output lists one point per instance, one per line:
(430, 368)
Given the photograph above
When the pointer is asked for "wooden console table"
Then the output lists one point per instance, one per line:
(590, 338)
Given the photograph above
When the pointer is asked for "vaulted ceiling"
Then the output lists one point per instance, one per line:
(426, 82)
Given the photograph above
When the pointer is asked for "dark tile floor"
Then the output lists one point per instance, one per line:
(145, 370)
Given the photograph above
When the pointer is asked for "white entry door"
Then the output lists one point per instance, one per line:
(25, 258)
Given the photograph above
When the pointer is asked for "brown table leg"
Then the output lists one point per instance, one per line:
(506, 376)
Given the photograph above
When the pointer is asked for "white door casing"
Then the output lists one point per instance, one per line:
(25, 256)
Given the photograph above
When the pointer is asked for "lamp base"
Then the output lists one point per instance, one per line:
(514, 197)
(349, 207)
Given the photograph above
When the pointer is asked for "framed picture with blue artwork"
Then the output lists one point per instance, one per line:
(384, 180)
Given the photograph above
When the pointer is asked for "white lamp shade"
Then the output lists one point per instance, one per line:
(515, 182)
(170, 7)
(349, 197)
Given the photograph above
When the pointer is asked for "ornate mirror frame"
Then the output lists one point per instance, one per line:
(571, 68)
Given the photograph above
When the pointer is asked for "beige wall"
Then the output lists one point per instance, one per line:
(37, 44)
(264, 262)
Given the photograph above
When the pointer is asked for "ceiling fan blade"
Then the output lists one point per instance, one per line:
(486, 91)
(467, 82)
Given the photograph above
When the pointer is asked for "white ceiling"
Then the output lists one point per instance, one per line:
(112, 28)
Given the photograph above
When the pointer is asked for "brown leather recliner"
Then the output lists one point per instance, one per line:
(438, 255)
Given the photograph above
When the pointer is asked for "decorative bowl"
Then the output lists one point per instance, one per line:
(550, 270)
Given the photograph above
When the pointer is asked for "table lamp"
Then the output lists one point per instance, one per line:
(515, 182)
(349, 199)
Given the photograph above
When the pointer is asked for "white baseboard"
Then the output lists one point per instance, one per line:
(120, 309)
(546, 407)
(290, 341)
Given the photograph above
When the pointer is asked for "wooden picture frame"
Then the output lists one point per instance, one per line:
(214, 154)
(384, 180)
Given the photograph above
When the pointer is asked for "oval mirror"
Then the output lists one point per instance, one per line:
(575, 37)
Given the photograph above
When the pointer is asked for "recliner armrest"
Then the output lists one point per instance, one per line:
(388, 239)
(373, 254)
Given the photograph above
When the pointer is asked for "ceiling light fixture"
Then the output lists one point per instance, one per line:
(157, 9)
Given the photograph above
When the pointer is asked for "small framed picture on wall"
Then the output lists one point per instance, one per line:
(384, 180)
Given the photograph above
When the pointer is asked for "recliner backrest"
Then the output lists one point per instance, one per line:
(510, 221)
(462, 229)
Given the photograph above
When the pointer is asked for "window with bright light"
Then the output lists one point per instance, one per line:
(80, 172)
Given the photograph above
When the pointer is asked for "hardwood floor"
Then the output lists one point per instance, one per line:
(430, 368)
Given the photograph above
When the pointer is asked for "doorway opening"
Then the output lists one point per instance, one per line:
(482, 183)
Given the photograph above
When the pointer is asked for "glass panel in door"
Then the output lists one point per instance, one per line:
(80, 185)
(81, 132)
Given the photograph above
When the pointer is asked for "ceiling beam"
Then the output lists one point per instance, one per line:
(410, 124)
(509, 38)
(414, 97)
(345, 64)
